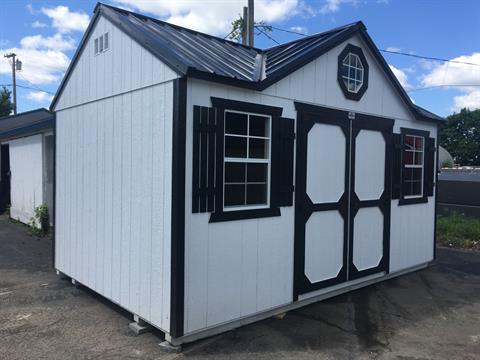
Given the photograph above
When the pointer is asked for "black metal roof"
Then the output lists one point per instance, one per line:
(199, 55)
(26, 123)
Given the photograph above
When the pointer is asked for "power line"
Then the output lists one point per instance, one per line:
(443, 85)
(391, 51)
(429, 57)
(268, 36)
(29, 88)
(288, 31)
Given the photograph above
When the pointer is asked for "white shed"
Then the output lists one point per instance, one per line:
(202, 184)
(26, 163)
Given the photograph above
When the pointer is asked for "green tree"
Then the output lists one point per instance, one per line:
(461, 136)
(6, 105)
(238, 24)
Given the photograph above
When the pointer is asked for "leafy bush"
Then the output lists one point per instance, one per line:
(446, 164)
(39, 223)
(457, 230)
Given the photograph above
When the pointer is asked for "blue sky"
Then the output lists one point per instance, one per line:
(45, 35)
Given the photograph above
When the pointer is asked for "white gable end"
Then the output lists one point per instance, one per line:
(317, 83)
(125, 66)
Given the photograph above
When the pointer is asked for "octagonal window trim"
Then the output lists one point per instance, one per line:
(352, 72)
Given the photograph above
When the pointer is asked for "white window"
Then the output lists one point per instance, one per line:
(352, 72)
(247, 143)
(101, 43)
(413, 160)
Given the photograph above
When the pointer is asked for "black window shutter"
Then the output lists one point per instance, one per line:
(203, 167)
(429, 166)
(283, 137)
(397, 166)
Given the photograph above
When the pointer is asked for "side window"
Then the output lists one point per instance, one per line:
(413, 156)
(246, 160)
(413, 167)
(242, 160)
(101, 43)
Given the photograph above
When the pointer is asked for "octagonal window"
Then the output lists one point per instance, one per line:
(352, 72)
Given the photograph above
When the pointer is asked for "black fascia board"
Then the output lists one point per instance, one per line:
(29, 129)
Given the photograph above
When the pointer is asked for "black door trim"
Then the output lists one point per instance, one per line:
(385, 125)
(307, 116)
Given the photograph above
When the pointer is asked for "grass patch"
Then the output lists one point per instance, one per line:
(457, 230)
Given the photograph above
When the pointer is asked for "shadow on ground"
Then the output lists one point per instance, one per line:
(430, 314)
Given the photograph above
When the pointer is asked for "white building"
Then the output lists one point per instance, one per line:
(26, 163)
(202, 184)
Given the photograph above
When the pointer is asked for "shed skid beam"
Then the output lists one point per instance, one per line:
(169, 347)
(139, 326)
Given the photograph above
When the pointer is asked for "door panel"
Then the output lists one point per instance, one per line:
(370, 195)
(321, 202)
(324, 239)
(342, 197)
(369, 165)
(325, 150)
(368, 238)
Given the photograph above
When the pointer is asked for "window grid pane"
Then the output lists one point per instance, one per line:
(413, 166)
(352, 72)
(247, 159)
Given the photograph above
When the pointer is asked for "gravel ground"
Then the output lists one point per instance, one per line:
(430, 314)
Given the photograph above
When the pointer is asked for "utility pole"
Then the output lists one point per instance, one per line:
(250, 23)
(16, 65)
(245, 26)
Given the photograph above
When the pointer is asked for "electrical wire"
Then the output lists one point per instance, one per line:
(429, 57)
(268, 36)
(393, 52)
(29, 88)
(443, 85)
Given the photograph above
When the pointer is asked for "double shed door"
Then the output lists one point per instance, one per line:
(343, 193)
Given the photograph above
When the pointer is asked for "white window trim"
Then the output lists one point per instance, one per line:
(415, 166)
(247, 160)
(350, 67)
(97, 40)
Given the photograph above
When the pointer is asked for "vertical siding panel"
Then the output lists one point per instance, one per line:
(126, 197)
(86, 235)
(93, 206)
(146, 201)
(59, 214)
(136, 233)
(167, 203)
(107, 207)
(76, 194)
(117, 200)
(224, 272)
(308, 82)
(249, 270)
(100, 200)
(135, 56)
(157, 203)
(72, 199)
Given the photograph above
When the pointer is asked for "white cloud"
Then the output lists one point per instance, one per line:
(214, 17)
(56, 42)
(39, 96)
(43, 66)
(299, 29)
(37, 24)
(401, 76)
(393, 49)
(330, 6)
(65, 20)
(30, 9)
(470, 100)
(448, 73)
